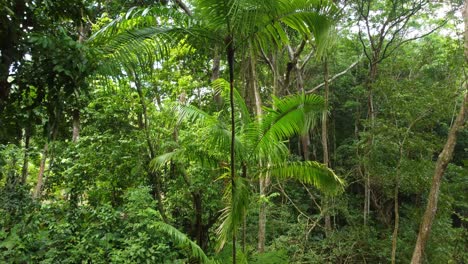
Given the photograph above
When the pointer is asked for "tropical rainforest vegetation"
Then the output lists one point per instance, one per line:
(233, 131)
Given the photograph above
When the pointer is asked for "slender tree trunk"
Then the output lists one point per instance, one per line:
(396, 207)
(442, 161)
(305, 140)
(444, 158)
(40, 176)
(76, 125)
(262, 215)
(198, 206)
(184, 7)
(397, 189)
(154, 177)
(371, 115)
(326, 205)
(264, 179)
(24, 170)
(76, 112)
(230, 59)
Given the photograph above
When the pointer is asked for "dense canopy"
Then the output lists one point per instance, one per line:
(233, 131)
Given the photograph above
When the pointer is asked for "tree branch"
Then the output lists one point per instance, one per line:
(184, 7)
(336, 75)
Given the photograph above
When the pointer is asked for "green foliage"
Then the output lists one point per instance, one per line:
(149, 181)
(133, 233)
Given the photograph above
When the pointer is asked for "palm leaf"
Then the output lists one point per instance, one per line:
(193, 114)
(222, 86)
(289, 116)
(181, 239)
(163, 159)
(233, 214)
(309, 172)
(217, 135)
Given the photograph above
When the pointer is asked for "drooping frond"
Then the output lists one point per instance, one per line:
(309, 172)
(219, 14)
(183, 241)
(233, 214)
(193, 114)
(289, 116)
(266, 21)
(162, 159)
(220, 138)
(217, 135)
(314, 17)
(138, 18)
(148, 34)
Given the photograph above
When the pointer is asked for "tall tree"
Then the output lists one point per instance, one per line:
(379, 41)
(443, 160)
(233, 24)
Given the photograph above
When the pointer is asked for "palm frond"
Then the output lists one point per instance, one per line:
(148, 34)
(289, 116)
(233, 214)
(183, 241)
(163, 159)
(193, 114)
(220, 138)
(217, 135)
(309, 172)
(222, 86)
(139, 18)
(265, 21)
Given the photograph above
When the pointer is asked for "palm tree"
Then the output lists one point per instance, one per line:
(257, 141)
(235, 25)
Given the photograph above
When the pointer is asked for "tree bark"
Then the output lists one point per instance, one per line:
(397, 221)
(263, 179)
(24, 170)
(76, 112)
(40, 177)
(76, 125)
(198, 206)
(184, 7)
(305, 140)
(442, 161)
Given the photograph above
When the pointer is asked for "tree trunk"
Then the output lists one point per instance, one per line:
(305, 140)
(76, 125)
(263, 180)
(230, 59)
(197, 205)
(396, 207)
(40, 176)
(442, 161)
(326, 161)
(154, 177)
(371, 115)
(76, 112)
(24, 170)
